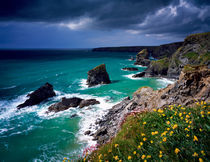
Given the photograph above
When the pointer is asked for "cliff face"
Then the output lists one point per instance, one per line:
(155, 51)
(193, 85)
(195, 50)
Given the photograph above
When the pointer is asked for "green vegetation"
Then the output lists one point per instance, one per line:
(101, 67)
(175, 133)
(191, 56)
(160, 66)
(205, 58)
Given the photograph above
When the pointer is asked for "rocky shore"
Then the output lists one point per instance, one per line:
(193, 85)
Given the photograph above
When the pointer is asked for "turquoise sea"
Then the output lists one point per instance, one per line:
(32, 135)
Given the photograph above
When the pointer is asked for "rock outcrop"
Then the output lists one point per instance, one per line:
(44, 92)
(195, 50)
(98, 75)
(142, 58)
(193, 85)
(158, 68)
(66, 103)
(138, 75)
(130, 69)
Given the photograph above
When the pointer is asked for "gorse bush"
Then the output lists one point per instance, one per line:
(175, 133)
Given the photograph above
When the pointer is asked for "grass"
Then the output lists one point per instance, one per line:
(205, 58)
(191, 56)
(175, 133)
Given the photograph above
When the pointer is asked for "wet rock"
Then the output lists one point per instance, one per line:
(44, 92)
(88, 102)
(74, 115)
(97, 76)
(130, 69)
(87, 132)
(141, 74)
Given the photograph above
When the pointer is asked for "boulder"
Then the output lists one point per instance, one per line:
(141, 74)
(88, 102)
(130, 69)
(65, 104)
(98, 75)
(44, 92)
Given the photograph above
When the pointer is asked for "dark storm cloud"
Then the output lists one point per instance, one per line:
(137, 16)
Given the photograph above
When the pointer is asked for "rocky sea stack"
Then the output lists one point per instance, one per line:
(97, 76)
(142, 58)
(44, 92)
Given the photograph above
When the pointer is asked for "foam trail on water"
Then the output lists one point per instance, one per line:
(84, 86)
(11, 87)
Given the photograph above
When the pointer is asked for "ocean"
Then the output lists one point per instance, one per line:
(30, 134)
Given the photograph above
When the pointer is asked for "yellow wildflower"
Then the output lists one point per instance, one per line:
(187, 135)
(202, 112)
(203, 153)
(116, 158)
(148, 156)
(201, 130)
(164, 139)
(195, 138)
(190, 122)
(200, 160)
(154, 109)
(160, 155)
(171, 133)
(84, 159)
(129, 157)
(186, 129)
(116, 145)
(64, 158)
(161, 152)
(141, 143)
(139, 146)
(143, 156)
(142, 134)
(168, 129)
(180, 114)
(160, 111)
(176, 150)
(168, 122)
(144, 123)
(120, 161)
(187, 116)
(134, 152)
(145, 160)
(175, 126)
(153, 133)
(144, 139)
(151, 141)
(195, 154)
(109, 150)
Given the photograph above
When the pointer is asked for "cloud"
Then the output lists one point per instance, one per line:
(160, 17)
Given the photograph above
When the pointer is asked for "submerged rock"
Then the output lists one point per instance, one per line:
(44, 92)
(66, 103)
(130, 69)
(141, 74)
(98, 75)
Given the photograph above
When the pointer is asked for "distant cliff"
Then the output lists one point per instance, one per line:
(195, 51)
(155, 51)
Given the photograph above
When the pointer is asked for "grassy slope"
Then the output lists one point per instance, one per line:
(173, 134)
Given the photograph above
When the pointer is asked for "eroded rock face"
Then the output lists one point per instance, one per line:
(98, 75)
(193, 85)
(142, 58)
(66, 103)
(130, 69)
(44, 92)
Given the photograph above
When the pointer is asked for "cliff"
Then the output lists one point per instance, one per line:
(195, 51)
(155, 51)
(193, 85)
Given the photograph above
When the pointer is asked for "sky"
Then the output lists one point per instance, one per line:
(99, 23)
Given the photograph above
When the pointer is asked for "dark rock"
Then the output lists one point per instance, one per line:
(65, 104)
(141, 74)
(142, 58)
(88, 102)
(98, 75)
(39, 95)
(130, 69)
(74, 115)
(87, 132)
